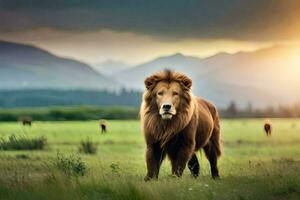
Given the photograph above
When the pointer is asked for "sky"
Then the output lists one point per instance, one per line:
(134, 31)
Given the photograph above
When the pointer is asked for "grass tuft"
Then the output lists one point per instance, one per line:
(87, 147)
(71, 166)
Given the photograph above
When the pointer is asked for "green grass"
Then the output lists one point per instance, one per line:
(253, 166)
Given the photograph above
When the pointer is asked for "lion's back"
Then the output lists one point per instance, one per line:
(207, 106)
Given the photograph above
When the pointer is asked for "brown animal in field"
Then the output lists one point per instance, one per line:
(268, 128)
(177, 124)
(26, 121)
(103, 125)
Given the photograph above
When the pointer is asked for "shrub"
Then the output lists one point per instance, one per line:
(114, 168)
(87, 147)
(71, 166)
(22, 156)
(22, 143)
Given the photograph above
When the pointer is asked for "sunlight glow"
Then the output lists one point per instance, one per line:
(99, 46)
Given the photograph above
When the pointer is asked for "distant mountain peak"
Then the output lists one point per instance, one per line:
(177, 55)
(172, 56)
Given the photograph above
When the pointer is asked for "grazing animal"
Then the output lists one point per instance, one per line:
(103, 125)
(26, 121)
(268, 128)
(177, 124)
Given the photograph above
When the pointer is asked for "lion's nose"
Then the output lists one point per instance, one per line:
(167, 107)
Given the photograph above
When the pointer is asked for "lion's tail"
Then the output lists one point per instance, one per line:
(216, 142)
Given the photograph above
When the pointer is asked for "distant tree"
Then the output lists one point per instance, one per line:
(269, 111)
(39, 98)
(285, 111)
(297, 110)
(231, 110)
(249, 108)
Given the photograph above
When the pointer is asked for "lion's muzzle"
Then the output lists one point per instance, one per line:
(167, 110)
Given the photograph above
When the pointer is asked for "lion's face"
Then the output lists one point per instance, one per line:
(167, 98)
(168, 92)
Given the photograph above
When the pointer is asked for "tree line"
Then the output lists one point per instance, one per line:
(69, 113)
(281, 111)
(43, 98)
(123, 104)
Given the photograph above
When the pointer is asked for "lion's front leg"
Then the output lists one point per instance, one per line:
(179, 160)
(179, 155)
(154, 158)
(183, 156)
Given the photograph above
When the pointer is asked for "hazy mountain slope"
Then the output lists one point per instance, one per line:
(222, 94)
(110, 67)
(24, 66)
(264, 77)
(273, 70)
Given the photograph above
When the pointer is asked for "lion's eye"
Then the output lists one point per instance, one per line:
(175, 93)
(160, 93)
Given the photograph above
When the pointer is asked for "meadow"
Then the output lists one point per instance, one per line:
(253, 166)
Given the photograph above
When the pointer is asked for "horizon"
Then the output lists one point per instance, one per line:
(208, 48)
(271, 46)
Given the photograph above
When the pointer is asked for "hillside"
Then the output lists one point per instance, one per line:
(28, 67)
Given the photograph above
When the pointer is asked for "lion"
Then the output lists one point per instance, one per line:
(103, 125)
(268, 127)
(178, 124)
(26, 120)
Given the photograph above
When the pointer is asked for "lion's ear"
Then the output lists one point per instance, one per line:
(149, 82)
(187, 82)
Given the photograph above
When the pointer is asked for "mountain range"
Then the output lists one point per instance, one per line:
(264, 77)
(28, 67)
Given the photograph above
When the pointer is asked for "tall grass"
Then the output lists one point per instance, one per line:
(23, 143)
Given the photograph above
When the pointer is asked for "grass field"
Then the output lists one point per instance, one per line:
(253, 166)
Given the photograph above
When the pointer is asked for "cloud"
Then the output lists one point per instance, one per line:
(251, 20)
(98, 46)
